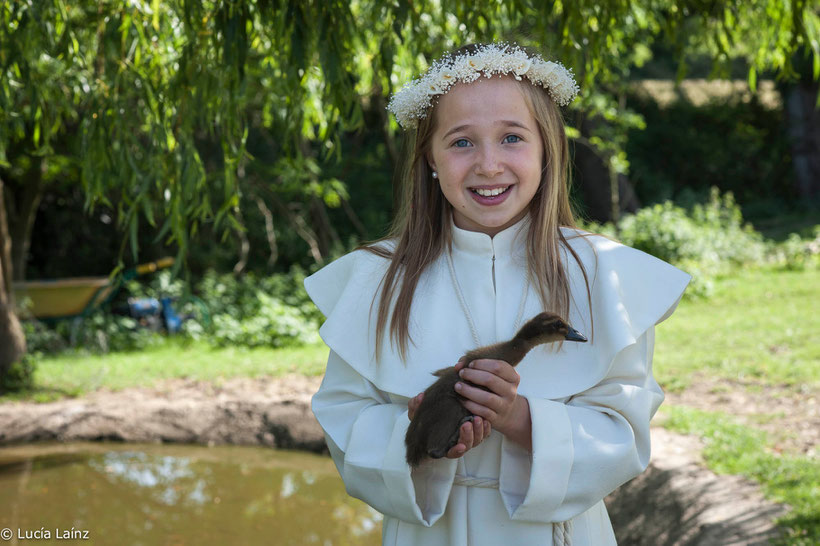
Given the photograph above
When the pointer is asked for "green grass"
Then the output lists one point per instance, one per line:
(75, 374)
(731, 448)
(760, 326)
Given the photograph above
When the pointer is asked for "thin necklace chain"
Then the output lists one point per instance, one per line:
(466, 310)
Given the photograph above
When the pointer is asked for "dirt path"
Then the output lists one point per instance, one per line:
(790, 416)
(675, 502)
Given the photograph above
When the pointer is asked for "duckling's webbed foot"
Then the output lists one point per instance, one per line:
(440, 452)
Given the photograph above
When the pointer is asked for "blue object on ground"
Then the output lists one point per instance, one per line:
(173, 322)
(143, 307)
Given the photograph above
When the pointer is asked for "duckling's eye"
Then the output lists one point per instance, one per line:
(461, 143)
(515, 138)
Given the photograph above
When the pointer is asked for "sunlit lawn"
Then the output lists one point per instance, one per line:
(74, 374)
(759, 326)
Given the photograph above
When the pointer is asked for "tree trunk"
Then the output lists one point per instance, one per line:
(5, 244)
(12, 340)
(804, 133)
(595, 180)
(21, 214)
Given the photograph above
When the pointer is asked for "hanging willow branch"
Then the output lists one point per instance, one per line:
(146, 81)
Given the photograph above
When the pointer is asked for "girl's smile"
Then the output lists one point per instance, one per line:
(488, 153)
(493, 195)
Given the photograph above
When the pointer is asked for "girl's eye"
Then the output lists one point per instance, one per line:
(461, 143)
(512, 139)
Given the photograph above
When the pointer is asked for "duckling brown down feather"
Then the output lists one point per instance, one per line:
(434, 429)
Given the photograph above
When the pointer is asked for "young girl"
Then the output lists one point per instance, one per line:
(486, 240)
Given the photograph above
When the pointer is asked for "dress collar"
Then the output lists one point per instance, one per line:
(504, 242)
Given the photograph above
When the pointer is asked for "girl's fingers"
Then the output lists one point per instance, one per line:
(480, 397)
(494, 383)
(413, 405)
(465, 442)
(479, 410)
(467, 436)
(496, 367)
(471, 435)
(478, 430)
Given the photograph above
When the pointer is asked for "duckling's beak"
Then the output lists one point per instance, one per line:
(575, 335)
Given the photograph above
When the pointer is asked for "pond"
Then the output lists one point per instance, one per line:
(176, 495)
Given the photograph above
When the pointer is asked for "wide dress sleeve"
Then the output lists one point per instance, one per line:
(594, 439)
(365, 434)
(364, 425)
(585, 448)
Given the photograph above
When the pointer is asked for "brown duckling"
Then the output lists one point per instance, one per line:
(434, 429)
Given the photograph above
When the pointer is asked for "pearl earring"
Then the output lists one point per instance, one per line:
(435, 174)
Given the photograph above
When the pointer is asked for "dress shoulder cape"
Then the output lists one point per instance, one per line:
(631, 291)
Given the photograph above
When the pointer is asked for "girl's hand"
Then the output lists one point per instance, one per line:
(470, 435)
(499, 404)
(413, 404)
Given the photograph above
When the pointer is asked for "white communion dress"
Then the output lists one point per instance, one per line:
(590, 403)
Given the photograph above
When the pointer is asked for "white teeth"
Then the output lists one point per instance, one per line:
(490, 193)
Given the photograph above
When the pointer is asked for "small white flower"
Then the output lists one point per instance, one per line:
(432, 86)
(522, 67)
(475, 63)
(446, 77)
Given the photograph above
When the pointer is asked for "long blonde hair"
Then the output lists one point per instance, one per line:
(421, 227)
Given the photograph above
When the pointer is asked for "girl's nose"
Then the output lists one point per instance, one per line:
(488, 163)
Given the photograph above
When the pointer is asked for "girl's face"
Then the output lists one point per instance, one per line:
(488, 153)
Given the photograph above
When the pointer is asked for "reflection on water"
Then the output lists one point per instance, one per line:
(177, 495)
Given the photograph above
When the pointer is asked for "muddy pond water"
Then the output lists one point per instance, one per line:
(127, 494)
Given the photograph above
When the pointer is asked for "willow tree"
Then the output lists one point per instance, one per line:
(126, 92)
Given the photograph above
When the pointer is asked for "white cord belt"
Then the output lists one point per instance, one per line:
(561, 531)
(475, 481)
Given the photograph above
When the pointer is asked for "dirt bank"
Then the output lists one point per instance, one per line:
(241, 411)
(675, 502)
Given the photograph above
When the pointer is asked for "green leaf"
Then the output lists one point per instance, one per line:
(155, 7)
(148, 211)
(133, 235)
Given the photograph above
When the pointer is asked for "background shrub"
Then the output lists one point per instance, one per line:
(259, 311)
(20, 376)
(798, 253)
(706, 240)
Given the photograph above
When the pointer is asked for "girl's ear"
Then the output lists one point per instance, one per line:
(429, 158)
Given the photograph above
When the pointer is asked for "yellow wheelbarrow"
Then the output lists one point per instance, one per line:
(53, 300)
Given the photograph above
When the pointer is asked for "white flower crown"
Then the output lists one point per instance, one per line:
(412, 102)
